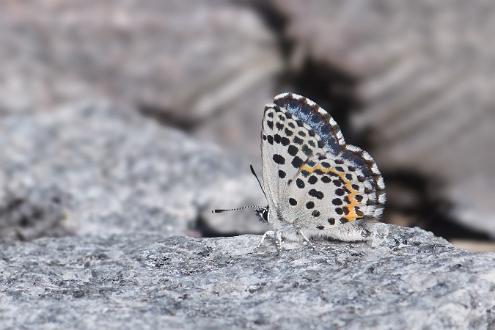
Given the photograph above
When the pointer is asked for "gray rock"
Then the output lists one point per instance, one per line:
(208, 67)
(95, 168)
(413, 280)
(238, 126)
(33, 212)
(187, 59)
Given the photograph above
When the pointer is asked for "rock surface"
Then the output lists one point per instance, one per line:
(413, 280)
(182, 61)
(186, 58)
(95, 168)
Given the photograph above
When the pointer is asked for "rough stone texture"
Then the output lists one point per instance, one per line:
(425, 72)
(30, 212)
(94, 168)
(181, 60)
(412, 281)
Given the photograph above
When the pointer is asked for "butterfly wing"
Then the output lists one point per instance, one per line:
(278, 152)
(326, 182)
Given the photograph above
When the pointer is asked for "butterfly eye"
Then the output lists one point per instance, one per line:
(263, 214)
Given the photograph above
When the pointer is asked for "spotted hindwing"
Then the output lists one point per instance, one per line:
(312, 177)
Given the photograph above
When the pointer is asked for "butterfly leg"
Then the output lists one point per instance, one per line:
(306, 240)
(278, 241)
(277, 237)
(268, 233)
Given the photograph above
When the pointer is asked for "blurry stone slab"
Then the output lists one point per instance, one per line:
(137, 281)
(181, 59)
(474, 246)
(426, 71)
(238, 125)
(97, 169)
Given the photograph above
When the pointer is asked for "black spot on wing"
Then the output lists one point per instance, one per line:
(297, 162)
(316, 193)
(278, 159)
(307, 151)
(298, 140)
(326, 179)
(292, 150)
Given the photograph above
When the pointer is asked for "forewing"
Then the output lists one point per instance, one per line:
(281, 150)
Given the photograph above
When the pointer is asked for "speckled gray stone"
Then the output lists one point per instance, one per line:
(94, 168)
(183, 58)
(413, 280)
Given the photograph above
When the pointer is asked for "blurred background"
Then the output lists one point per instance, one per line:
(127, 116)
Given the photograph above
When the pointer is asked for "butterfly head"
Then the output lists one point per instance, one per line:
(262, 213)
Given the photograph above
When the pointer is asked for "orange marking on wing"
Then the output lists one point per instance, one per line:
(352, 193)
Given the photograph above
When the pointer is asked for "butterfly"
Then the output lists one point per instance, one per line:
(315, 184)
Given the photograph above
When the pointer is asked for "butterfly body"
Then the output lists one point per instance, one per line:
(315, 184)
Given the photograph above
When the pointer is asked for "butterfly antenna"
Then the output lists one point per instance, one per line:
(257, 179)
(244, 207)
(236, 209)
